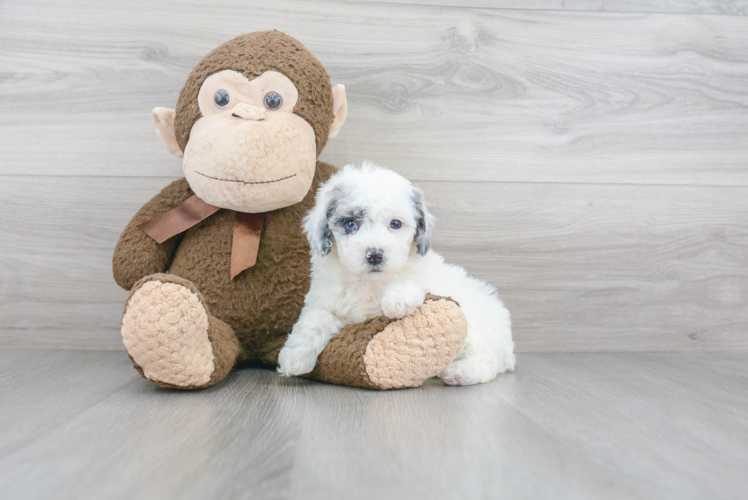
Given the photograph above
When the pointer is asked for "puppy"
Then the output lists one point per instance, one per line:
(369, 234)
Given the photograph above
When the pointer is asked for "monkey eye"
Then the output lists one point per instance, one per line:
(273, 100)
(396, 224)
(222, 98)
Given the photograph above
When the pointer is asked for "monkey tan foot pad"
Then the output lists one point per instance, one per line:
(392, 354)
(171, 337)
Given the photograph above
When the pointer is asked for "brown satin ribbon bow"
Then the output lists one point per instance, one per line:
(247, 230)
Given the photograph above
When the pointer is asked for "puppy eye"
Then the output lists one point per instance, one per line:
(273, 100)
(396, 224)
(222, 98)
(351, 225)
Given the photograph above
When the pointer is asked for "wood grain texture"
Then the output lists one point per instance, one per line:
(38, 392)
(439, 93)
(581, 268)
(594, 268)
(591, 165)
(718, 7)
(605, 425)
(156, 443)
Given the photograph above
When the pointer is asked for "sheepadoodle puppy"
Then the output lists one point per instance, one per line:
(369, 233)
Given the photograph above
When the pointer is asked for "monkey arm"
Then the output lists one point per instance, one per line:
(137, 254)
(383, 353)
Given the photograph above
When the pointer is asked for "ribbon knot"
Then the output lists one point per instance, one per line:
(247, 230)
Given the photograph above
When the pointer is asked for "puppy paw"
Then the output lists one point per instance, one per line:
(402, 299)
(468, 371)
(296, 360)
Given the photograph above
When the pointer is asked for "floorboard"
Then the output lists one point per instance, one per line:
(616, 425)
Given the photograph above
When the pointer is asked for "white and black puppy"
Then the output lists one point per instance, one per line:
(369, 233)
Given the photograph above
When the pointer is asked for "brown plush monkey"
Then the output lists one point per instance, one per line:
(217, 263)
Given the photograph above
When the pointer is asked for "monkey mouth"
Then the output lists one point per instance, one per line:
(245, 182)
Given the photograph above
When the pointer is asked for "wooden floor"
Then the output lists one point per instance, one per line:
(77, 424)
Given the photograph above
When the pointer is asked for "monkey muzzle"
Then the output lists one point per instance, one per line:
(250, 159)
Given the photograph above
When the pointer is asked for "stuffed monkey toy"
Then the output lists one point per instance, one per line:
(217, 264)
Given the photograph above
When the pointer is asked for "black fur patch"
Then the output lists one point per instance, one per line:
(340, 220)
(324, 237)
(422, 233)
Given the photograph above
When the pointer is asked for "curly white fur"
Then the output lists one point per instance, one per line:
(353, 218)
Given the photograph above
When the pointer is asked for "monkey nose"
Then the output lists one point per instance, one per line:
(248, 112)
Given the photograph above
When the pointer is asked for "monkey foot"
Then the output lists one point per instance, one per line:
(172, 339)
(381, 353)
(417, 347)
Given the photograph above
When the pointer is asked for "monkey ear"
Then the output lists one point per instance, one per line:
(339, 109)
(163, 119)
(424, 222)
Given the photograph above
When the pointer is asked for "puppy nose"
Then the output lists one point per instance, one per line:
(374, 256)
(248, 112)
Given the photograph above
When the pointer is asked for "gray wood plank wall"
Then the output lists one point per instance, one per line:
(721, 7)
(592, 165)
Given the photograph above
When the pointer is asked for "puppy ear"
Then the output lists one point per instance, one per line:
(316, 224)
(424, 222)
